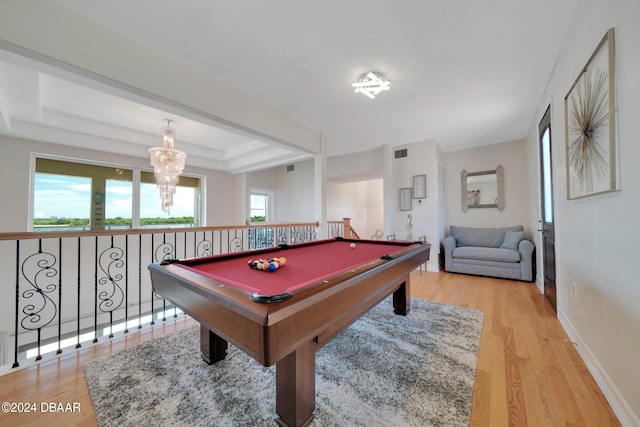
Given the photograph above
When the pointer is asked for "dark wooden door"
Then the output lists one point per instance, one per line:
(547, 223)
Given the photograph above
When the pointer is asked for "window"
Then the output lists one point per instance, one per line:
(259, 207)
(119, 202)
(61, 202)
(547, 213)
(185, 208)
(78, 196)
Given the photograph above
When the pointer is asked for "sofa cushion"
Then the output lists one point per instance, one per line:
(487, 254)
(483, 237)
(512, 239)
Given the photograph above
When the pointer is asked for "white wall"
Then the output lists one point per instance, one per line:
(241, 205)
(362, 166)
(355, 190)
(422, 159)
(293, 192)
(597, 237)
(16, 174)
(361, 201)
(295, 199)
(512, 157)
(375, 208)
(374, 203)
(262, 181)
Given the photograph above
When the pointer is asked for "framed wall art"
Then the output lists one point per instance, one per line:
(405, 199)
(419, 186)
(590, 125)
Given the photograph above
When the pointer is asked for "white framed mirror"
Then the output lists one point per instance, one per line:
(482, 189)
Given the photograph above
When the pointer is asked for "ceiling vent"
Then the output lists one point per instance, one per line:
(399, 154)
(290, 168)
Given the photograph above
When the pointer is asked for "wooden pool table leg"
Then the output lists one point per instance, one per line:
(213, 347)
(296, 386)
(402, 299)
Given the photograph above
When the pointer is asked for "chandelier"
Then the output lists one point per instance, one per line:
(167, 163)
(371, 84)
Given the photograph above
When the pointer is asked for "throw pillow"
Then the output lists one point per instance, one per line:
(512, 239)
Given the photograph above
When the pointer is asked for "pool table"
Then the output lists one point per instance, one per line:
(283, 317)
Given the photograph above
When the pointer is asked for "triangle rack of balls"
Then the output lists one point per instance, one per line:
(267, 264)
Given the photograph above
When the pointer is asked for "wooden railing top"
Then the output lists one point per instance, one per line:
(136, 231)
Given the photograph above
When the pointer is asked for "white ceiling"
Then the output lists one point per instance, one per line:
(467, 73)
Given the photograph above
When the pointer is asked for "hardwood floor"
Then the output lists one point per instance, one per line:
(529, 373)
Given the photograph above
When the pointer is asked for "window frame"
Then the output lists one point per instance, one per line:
(269, 204)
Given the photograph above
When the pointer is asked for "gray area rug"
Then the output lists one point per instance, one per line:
(384, 370)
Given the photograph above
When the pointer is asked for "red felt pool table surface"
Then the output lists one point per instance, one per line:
(305, 265)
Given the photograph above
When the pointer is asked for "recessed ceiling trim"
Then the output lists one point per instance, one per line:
(67, 71)
(268, 163)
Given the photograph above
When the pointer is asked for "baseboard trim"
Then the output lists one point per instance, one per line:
(619, 405)
(540, 285)
(430, 268)
(433, 268)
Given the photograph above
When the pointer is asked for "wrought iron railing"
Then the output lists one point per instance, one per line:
(58, 288)
(342, 229)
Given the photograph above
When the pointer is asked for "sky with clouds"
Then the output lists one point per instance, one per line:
(70, 197)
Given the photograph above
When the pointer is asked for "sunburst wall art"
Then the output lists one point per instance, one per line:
(590, 125)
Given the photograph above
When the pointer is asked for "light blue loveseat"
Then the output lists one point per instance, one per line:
(496, 252)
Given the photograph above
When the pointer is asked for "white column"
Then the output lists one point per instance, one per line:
(320, 187)
(389, 195)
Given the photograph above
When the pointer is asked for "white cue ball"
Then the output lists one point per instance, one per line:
(352, 246)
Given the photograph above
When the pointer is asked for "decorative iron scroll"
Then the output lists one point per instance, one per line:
(236, 244)
(306, 234)
(39, 308)
(336, 230)
(260, 238)
(163, 252)
(294, 236)
(111, 295)
(204, 248)
(281, 236)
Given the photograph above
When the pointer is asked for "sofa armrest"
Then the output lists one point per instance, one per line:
(449, 244)
(526, 259)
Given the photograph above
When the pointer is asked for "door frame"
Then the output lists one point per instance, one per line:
(547, 229)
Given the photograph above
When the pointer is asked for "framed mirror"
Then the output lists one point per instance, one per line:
(482, 189)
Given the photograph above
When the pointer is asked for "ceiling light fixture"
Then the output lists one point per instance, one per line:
(371, 84)
(168, 163)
